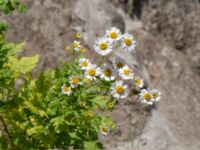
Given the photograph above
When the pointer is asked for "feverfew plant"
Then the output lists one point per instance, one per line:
(69, 106)
(97, 88)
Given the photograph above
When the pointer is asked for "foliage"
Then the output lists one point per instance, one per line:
(67, 106)
(12, 69)
(46, 118)
(7, 6)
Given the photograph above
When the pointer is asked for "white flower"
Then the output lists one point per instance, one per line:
(102, 46)
(76, 45)
(118, 63)
(156, 94)
(92, 72)
(66, 90)
(139, 82)
(128, 42)
(113, 34)
(104, 130)
(119, 90)
(74, 81)
(126, 73)
(84, 63)
(107, 72)
(146, 97)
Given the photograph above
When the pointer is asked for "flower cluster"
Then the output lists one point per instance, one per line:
(113, 37)
(121, 78)
(149, 96)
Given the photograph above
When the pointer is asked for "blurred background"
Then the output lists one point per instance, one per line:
(167, 56)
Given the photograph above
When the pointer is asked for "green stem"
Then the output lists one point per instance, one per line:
(73, 58)
(6, 131)
(102, 58)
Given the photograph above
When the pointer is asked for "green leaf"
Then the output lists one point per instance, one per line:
(42, 113)
(31, 107)
(24, 65)
(36, 130)
(22, 7)
(93, 89)
(7, 6)
(17, 48)
(57, 121)
(3, 27)
(101, 101)
(107, 121)
(91, 145)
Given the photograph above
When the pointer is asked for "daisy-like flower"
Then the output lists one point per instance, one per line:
(102, 46)
(119, 63)
(67, 48)
(107, 72)
(66, 90)
(156, 95)
(84, 63)
(126, 73)
(74, 81)
(113, 34)
(139, 82)
(82, 49)
(76, 45)
(119, 90)
(128, 42)
(110, 104)
(146, 97)
(78, 35)
(92, 72)
(104, 130)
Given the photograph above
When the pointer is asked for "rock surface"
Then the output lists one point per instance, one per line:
(168, 57)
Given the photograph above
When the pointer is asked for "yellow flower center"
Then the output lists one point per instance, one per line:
(103, 45)
(110, 105)
(82, 50)
(137, 82)
(67, 48)
(92, 72)
(89, 114)
(126, 72)
(120, 65)
(75, 45)
(66, 89)
(155, 95)
(74, 80)
(104, 129)
(82, 104)
(107, 72)
(78, 35)
(120, 89)
(84, 64)
(113, 35)
(147, 96)
(127, 41)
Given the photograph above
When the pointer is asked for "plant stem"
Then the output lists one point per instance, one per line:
(102, 58)
(73, 57)
(6, 131)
